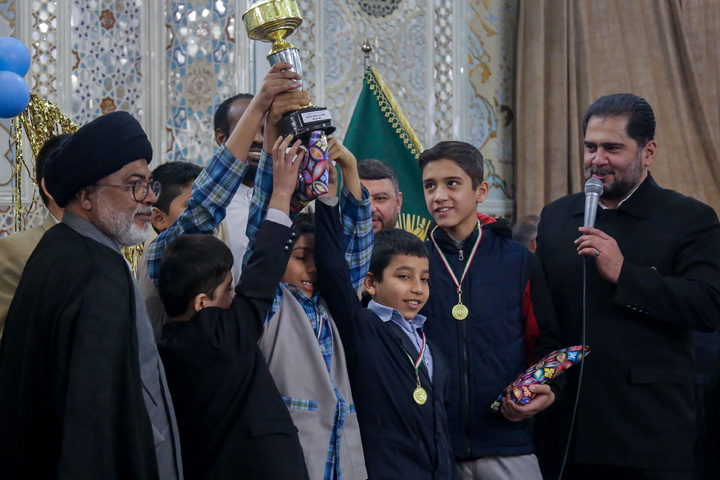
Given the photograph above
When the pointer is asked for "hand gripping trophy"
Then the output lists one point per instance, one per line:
(273, 21)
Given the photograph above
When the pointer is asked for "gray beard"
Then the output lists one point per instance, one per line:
(119, 226)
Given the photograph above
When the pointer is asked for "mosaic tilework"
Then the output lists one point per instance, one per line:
(107, 52)
(399, 40)
(43, 69)
(490, 115)
(443, 70)
(304, 39)
(7, 28)
(201, 74)
(33, 212)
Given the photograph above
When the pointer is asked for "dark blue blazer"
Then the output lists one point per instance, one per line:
(233, 422)
(401, 439)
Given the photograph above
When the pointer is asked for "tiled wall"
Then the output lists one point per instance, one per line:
(448, 64)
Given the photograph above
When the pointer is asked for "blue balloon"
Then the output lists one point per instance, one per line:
(14, 94)
(14, 56)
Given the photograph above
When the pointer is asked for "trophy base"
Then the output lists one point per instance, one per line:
(301, 123)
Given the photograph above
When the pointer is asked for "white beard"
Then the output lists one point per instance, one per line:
(119, 226)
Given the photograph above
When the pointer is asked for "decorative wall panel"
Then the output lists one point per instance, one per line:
(443, 65)
(490, 36)
(106, 47)
(7, 173)
(200, 74)
(330, 39)
(448, 64)
(43, 49)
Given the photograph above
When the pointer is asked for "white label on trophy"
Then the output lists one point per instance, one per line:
(315, 116)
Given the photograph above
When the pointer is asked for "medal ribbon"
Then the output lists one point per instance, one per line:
(469, 260)
(416, 363)
(320, 326)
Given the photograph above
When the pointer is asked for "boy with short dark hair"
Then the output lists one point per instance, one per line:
(491, 315)
(176, 179)
(232, 420)
(301, 343)
(194, 274)
(398, 379)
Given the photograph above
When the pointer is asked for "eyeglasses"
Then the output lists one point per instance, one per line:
(140, 189)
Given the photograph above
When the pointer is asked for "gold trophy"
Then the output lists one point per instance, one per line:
(273, 21)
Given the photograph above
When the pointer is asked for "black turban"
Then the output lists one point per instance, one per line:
(96, 150)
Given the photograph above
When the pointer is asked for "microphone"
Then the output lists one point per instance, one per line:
(593, 190)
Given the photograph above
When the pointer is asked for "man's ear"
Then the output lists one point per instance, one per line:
(220, 137)
(159, 220)
(648, 154)
(399, 201)
(370, 283)
(83, 198)
(200, 301)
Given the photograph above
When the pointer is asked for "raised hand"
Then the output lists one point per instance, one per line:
(283, 103)
(278, 80)
(348, 166)
(285, 171)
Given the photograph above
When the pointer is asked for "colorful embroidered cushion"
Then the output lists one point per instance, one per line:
(551, 365)
(313, 173)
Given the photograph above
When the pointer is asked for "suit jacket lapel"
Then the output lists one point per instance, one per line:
(406, 345)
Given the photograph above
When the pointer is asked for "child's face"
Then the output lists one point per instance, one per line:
(404, 286)
(223, 294)
(301, 266)
(161, 220)
(450, 197)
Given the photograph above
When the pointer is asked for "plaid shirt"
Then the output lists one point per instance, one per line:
(211, 193)
(356, 219)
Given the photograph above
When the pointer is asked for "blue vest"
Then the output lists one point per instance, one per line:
(486, 351)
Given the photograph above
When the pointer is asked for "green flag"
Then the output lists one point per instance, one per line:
(378, 129)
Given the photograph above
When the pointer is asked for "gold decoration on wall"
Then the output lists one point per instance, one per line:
(40, 121)
(414, 224)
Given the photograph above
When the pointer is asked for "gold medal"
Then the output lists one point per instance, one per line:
(420, 396)
(460, 312)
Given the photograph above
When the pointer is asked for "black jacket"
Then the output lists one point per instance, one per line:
(233, 422)
(636, 404)
(401, 439)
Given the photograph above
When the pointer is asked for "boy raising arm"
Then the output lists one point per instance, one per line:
(233, 422)
(398, 378)
(215, 186)
(300, 341)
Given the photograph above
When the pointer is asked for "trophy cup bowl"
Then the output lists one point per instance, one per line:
(273, 21)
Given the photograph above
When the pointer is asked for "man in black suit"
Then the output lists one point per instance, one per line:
(653, 275)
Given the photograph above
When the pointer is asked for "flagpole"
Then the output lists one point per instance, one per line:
(366, 48)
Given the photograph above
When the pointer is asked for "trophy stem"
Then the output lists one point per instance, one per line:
(278, 41)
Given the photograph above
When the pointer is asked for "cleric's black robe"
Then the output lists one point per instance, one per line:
(71, 402)
(233, 422)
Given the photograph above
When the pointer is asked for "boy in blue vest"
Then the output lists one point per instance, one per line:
(398, 379)
(489, 316)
